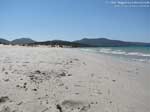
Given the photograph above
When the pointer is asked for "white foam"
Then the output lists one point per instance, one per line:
(110, 51)
(117, 52)
(138, 54)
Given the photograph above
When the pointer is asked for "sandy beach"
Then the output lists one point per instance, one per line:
(41, 79)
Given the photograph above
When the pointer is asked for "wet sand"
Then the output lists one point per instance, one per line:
(41, 79)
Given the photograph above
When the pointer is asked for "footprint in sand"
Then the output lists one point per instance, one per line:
(5, 109)
(3, 99)
(72, 105)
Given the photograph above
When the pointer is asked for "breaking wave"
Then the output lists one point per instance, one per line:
(134, 53)
(121, 52)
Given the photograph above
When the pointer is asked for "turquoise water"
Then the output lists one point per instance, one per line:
(134, 53)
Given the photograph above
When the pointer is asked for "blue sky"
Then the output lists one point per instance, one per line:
(72, 20)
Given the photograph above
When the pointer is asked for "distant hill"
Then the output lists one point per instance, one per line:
(61, 43)
(4, 41)
(85, 42)
(104, 42)
(22, 41)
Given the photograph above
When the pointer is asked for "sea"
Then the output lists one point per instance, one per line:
(133, 53)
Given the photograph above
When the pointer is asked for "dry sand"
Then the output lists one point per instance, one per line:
(42, 79)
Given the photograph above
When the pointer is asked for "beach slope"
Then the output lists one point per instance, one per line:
(41, 79)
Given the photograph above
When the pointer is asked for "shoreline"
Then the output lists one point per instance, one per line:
(134, 58)
(39, 79)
